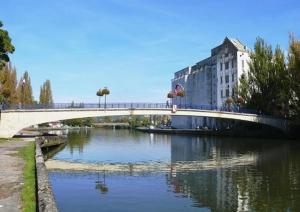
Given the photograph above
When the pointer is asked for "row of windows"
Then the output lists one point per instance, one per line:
(227, 79)
(227, 93)
(226, 64)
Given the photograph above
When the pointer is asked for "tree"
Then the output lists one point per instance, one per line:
(6, 46)
(8, 81)
(25, 90)
(294, 70)
(243, 88)
(46, 93)
(266, 87)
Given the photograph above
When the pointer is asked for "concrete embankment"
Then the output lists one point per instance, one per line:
(46, 201)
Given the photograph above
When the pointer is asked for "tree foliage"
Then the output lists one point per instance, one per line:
(294, 69)
(266, 87)
(78, 122)
(25, 90)
(6, 46)
(105, 91)
(8, 81)
(46, 93)
(99, 93)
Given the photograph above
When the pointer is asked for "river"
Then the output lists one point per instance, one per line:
(133, 171)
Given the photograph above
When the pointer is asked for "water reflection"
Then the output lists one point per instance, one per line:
(115, 146)
(271, 182)
(219, 174)
(100, 184)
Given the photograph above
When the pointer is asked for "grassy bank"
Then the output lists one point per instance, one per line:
(28, 194)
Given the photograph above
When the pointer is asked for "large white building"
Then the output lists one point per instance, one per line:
(211, 81)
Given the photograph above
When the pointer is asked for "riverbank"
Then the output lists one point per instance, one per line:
(17, 175)
(28, 194)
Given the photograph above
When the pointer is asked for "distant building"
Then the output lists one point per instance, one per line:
(211, 81)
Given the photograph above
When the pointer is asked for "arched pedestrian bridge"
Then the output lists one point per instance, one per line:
(14, 120)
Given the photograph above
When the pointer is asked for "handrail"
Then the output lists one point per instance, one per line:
(139, 105)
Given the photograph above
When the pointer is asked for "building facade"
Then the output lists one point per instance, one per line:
(211, 81)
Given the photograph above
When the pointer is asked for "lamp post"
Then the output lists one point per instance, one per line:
(229, 101)
(99, 93)
(180, 94)
(105, 92)
(169, 96)
(240, 101)
(23, 93)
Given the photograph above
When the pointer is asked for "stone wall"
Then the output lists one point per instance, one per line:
(46, 201)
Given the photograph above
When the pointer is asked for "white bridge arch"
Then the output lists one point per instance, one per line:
(12, 121)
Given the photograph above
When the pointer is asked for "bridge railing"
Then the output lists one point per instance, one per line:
(140, 105)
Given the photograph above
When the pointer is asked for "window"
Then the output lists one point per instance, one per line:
(232, 77)
(221, 80)
(232, 64)
(227, 79)
(227, 92)
(221, 66)
(232, 92)
(226, 55)
(226, 65)
(221, 93)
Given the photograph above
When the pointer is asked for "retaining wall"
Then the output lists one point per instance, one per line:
(46, 201)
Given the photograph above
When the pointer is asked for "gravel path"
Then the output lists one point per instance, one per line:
(11, 178)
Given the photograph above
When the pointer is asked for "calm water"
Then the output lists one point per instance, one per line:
(205, 174)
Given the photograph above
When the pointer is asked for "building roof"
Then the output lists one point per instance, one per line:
(237, 44)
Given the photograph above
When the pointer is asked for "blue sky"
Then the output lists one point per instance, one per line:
(132, 46)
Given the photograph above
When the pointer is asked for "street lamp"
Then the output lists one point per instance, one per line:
(180, 94)
(169, 96)
(99, 93)
(23, 93)
(228, 102)
(105, 92)
(240, 101)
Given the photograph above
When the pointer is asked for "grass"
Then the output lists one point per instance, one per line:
(28, 194)
(3, 140)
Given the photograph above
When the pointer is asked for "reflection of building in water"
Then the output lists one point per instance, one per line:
(214, 187)
(254, 186)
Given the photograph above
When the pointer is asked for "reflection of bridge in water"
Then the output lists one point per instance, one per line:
(14, 120)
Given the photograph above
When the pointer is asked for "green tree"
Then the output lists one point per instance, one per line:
(243, 88)
(25, 90)
(266, 87)
(294, 70)
(8, 81)
(6, 46)
(46, 93)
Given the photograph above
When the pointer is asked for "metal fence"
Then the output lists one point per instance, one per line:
(140, 105)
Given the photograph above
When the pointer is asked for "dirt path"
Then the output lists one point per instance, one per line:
(11, 178)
